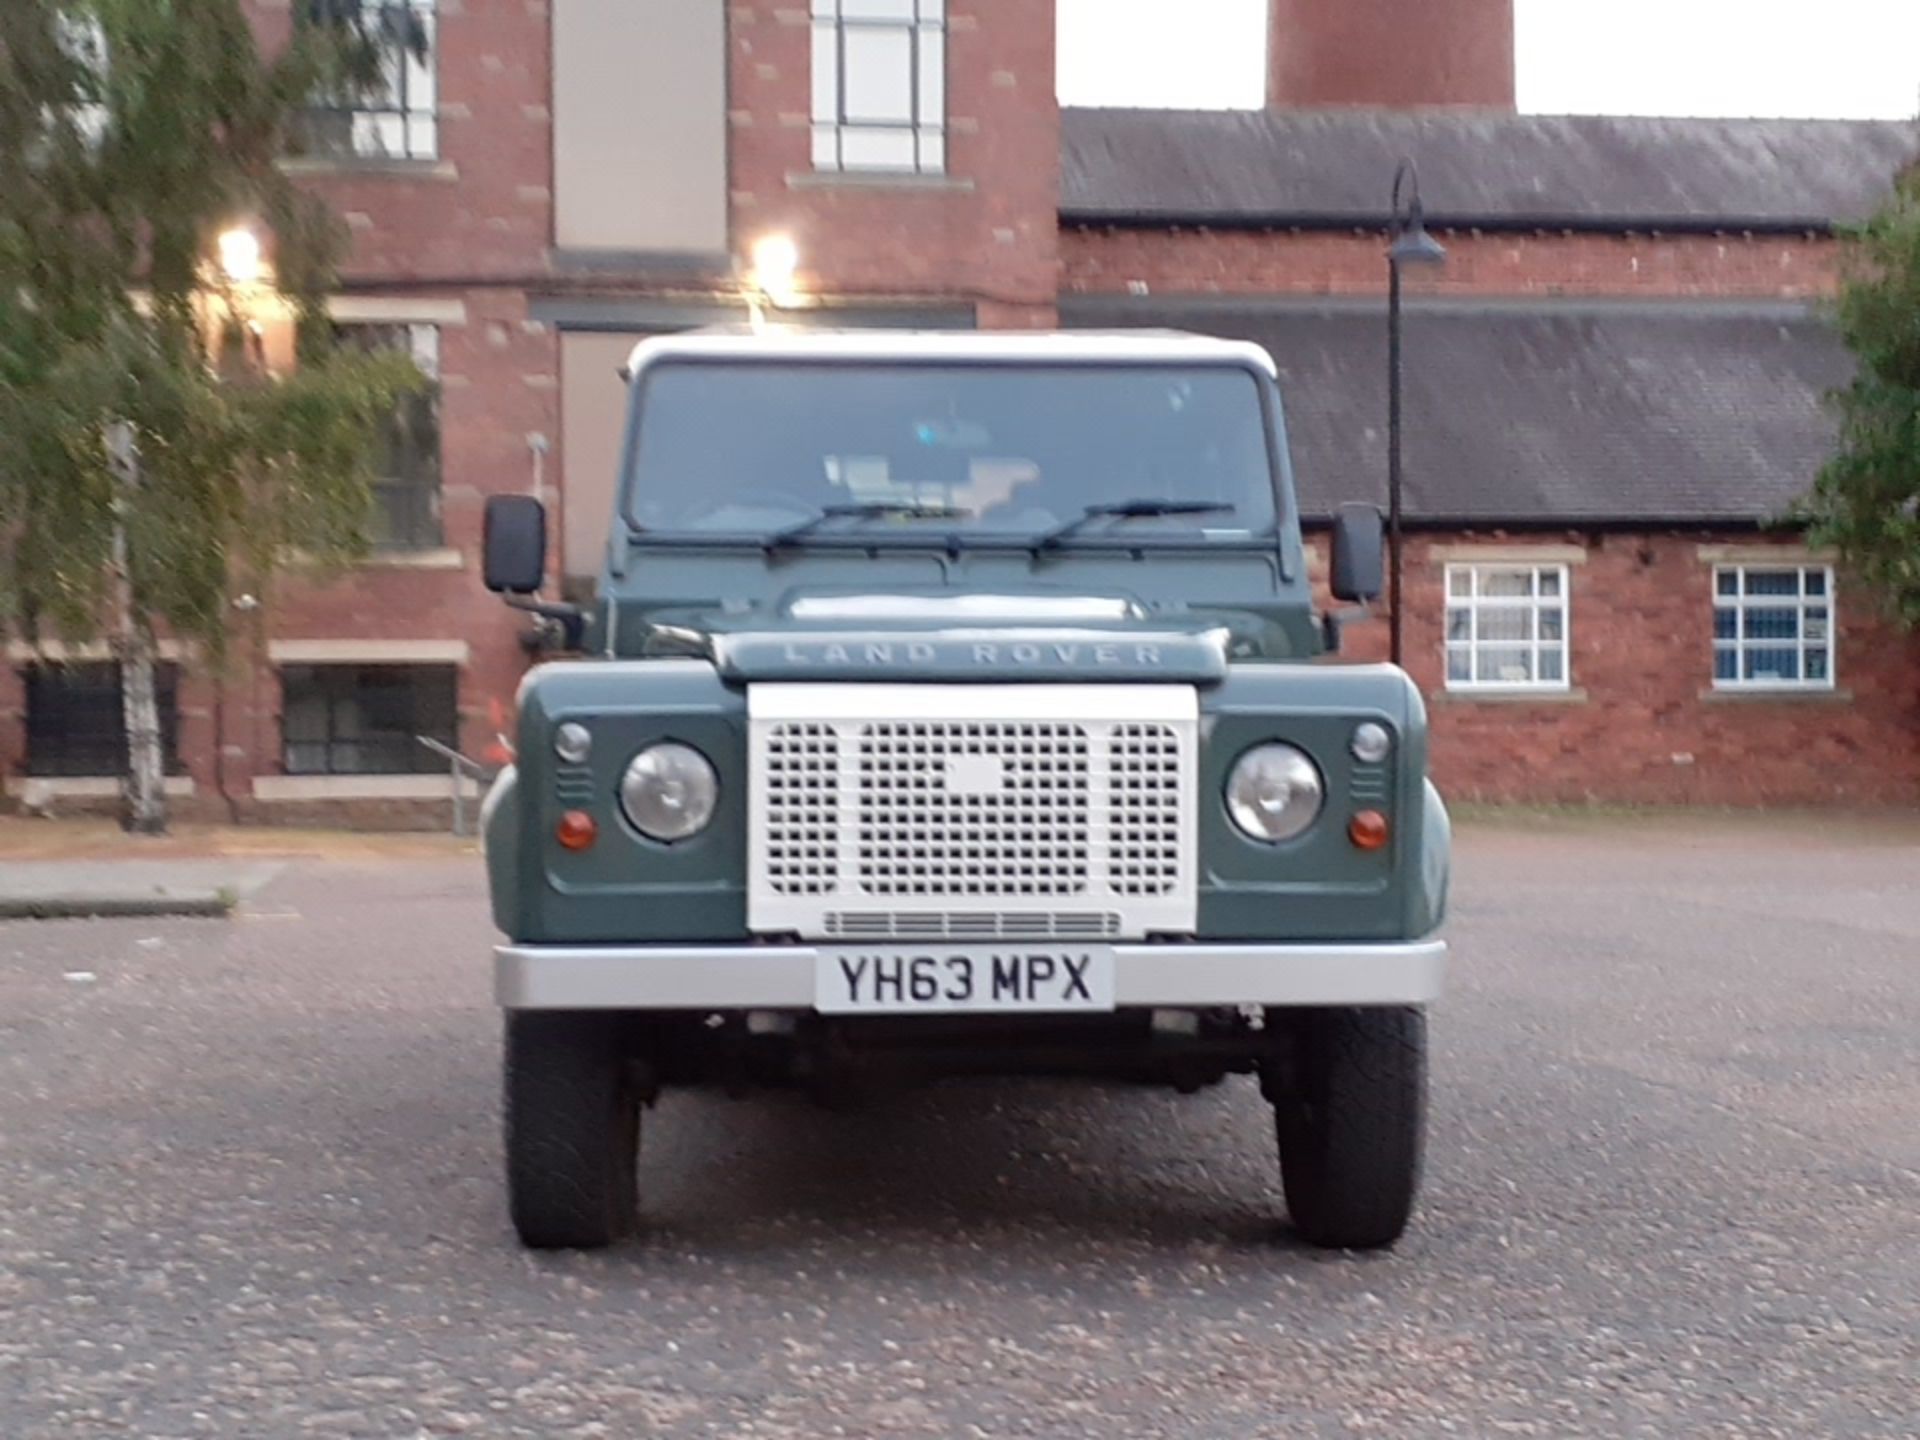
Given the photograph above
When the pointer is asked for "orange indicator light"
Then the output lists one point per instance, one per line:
(576, 830)
(1368, 830)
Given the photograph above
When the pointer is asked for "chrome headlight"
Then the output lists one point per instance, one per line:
(669, 792)
(1274, 792)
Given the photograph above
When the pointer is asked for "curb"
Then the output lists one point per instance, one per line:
(92, 907)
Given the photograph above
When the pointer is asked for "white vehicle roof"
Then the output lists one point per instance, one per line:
(1029, 347)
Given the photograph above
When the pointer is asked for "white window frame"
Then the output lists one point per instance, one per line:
(1469, 599)
(83, 40)
(1799, 602)
(403, 123)
(847, 141)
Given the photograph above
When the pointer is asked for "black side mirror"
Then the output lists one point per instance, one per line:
(1358, 571)
(514, 549)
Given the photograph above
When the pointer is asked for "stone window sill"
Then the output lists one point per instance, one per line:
(291, 789)
(369, 166)
(34, 791)
(1493, 695)
(441, 558)
(1782, 696)
(873, 180)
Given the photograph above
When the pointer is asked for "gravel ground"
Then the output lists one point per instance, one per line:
(249, 1186)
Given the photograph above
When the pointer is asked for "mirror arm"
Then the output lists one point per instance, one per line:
(571, 618)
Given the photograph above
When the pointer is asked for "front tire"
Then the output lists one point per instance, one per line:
(1350, 1113)
(572, 1110)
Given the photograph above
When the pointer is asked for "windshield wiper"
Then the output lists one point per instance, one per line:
(1127, 510)
(880, 510)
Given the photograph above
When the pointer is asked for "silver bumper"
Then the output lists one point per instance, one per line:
(781, 977)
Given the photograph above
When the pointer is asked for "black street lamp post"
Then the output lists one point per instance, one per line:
(1408, 243)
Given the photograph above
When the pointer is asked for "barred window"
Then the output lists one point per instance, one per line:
(399, 119)
(366, 719)
(76, 725)
(1507, 627)
(1772, 627)
(407, 494)
(879, 85)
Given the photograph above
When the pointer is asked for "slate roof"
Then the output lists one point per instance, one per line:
(1477, 168)
(1525, 413)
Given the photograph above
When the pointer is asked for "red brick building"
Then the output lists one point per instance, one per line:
(1613, 384)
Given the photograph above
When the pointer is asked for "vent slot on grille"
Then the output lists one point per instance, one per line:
(1145, 826)
(971, 924)
(803, 809)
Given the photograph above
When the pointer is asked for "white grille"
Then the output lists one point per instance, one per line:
(803, 809)
(973, 808)
(943, 811)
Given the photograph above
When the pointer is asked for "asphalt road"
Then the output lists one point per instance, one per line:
(249, 1186)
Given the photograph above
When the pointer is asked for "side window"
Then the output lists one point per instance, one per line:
(75, 725)
(879, 85)
(366, 719)
(400, 119)
(1507, 627)
(1772, 627)
(407, 494)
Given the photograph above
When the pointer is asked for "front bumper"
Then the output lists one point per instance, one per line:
(781, 977)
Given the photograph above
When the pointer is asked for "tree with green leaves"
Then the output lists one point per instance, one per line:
(151, 470)
(1866, 501)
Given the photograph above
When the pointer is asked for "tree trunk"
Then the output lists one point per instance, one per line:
(143, 798)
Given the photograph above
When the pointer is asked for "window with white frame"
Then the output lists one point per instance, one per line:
(407, 493)
(1772, 627)
(398, 118)
(1506, 627)
(83, 40)
(879, 85)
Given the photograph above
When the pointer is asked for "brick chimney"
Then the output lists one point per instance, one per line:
(1396, 54)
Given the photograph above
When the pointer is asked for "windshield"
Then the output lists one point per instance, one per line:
(753, 448)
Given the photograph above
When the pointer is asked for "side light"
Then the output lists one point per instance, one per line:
(573, 743)
(1371, 742)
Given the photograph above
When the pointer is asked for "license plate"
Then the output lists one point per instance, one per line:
(910, 979)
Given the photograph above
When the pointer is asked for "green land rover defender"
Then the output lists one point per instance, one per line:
(956, 703)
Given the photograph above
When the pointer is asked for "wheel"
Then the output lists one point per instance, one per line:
(1349, 1109)
(572, 1129)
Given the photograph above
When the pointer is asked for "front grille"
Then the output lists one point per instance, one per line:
(1368, 783)
(1069, 819)
(972, 809)
(573, 785)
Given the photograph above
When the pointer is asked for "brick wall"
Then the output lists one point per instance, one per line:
(1641, 723)
(1391, 53)
(985, 232)
(1267, 262)
(483, 210)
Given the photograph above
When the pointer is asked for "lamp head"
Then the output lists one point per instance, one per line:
(1414, 246)
(240, 257)
(775, 259)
